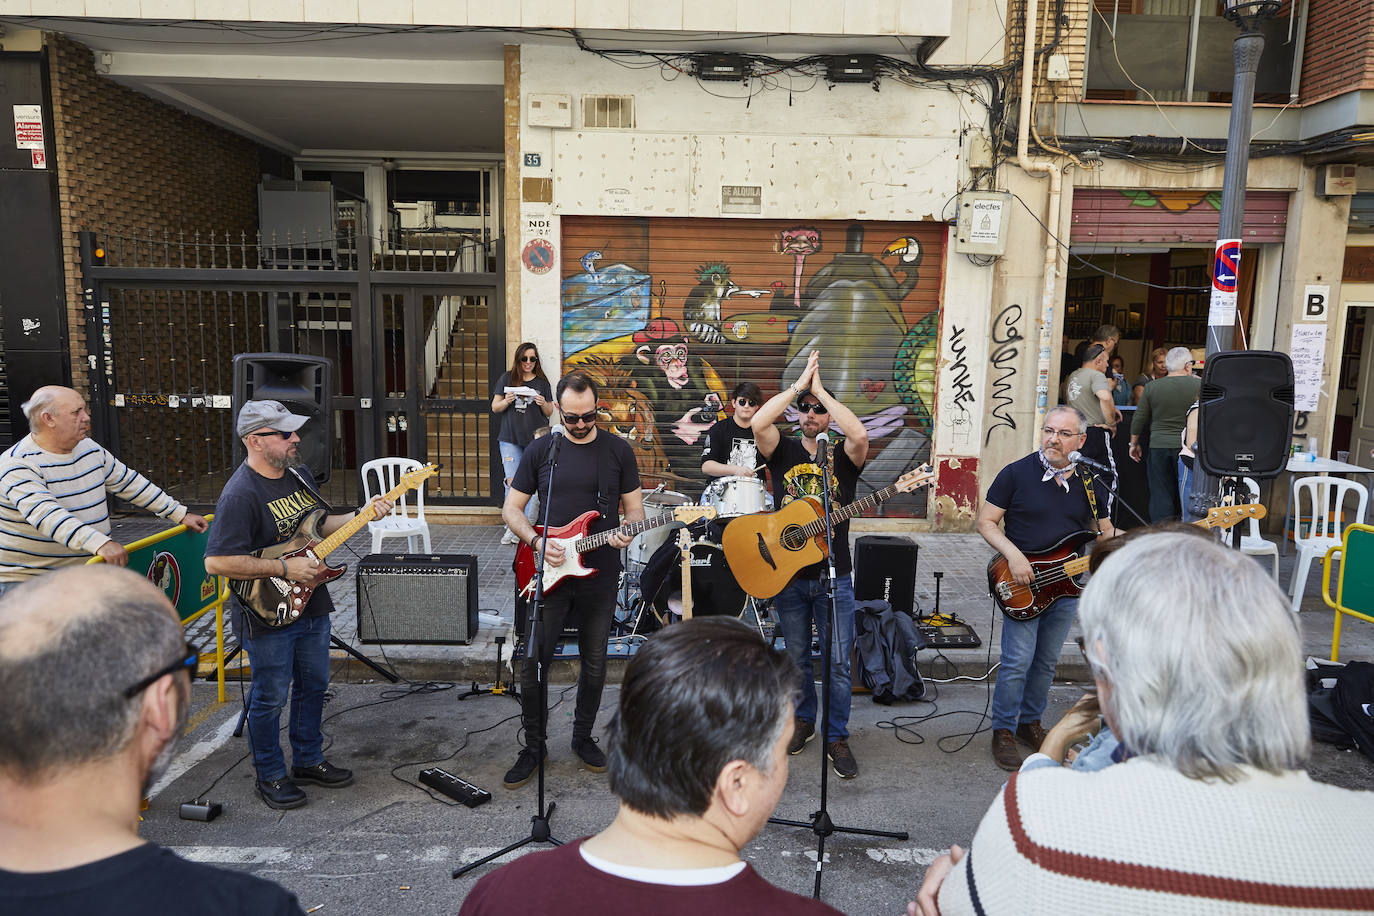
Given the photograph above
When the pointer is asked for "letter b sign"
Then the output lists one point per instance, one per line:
(1314, 299)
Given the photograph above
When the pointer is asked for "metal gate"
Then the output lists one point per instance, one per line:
(415, 335)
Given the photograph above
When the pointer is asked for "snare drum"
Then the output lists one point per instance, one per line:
(733, 496)
(655, 503)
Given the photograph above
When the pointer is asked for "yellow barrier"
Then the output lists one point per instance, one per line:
(1355, 587)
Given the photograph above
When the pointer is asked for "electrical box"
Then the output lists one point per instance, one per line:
(549, 109)
(1336, 181)
(857, 68)
(724, 67)
(1057, 68)
(982, 223)
(979, 155)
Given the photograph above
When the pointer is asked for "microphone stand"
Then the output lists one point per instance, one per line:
(539, 822)
(1111, 487)
(821, 824)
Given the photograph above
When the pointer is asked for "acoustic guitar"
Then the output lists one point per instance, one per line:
(767, 549)
(277, 601)
(1056, 571)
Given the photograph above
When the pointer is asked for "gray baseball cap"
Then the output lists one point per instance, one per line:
(256, 415)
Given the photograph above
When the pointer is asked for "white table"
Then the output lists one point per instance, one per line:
(1319, 466)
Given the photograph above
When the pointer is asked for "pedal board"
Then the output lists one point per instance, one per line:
(459, 790)
(946, 636)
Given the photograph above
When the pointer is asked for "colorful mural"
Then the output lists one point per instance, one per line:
(669, 315)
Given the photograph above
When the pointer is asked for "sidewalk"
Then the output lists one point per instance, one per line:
(961, 557)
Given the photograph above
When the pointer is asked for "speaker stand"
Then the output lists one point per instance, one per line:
(496, 688)
(383, 671)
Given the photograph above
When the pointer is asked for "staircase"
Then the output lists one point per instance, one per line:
(460, 441)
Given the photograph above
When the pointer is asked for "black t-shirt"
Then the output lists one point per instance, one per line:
(577, 483)
(727, 443)
(144, 880)
(795, 474)
(256, 512)
(1039, 514)
(523, 417)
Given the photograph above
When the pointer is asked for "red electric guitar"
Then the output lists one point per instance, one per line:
(1056, 571)
(575, 540)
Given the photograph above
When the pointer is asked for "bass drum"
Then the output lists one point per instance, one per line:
(735, 496)
(656, 502)
(714, 588)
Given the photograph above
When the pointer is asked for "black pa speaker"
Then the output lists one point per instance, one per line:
(1245, 413)
(885, 567)
(305, 385)
(417, 598)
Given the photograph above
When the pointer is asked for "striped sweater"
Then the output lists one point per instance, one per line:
(53, 510)
(1141, 838)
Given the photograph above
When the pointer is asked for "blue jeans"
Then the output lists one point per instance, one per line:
(1030, 652)
(510, 460)
(1161, 465)
(294, 657)
(798, 605)
(1185, 486)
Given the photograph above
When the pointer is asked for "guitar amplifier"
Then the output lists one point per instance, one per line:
(885, 567)
(417, 598)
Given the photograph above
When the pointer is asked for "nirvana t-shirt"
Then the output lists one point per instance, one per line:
(1081, 391)
(256, 512)
(795, 475)
(577, 485)
(1040, 513)
(727, 443)
(523, 417)
(146, 879)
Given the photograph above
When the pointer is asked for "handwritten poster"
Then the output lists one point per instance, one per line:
(1309, 354)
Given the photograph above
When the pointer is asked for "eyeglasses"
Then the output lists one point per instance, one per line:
(529, 359)
(188, 661)
(1060, 433)
(274, 432)
(576, 418)
(746, 402)
(816, 408)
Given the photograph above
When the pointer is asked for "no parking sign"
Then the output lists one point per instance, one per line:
(1225, 272)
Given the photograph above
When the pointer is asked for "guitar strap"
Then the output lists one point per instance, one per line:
(1092, 499)
(305, 482)
(607, 496)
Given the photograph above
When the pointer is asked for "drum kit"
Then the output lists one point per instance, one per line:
(714, 587)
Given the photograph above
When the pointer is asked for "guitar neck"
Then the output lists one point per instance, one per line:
(353, 525)
(1079, 565)
(844, 513)
(631, 529)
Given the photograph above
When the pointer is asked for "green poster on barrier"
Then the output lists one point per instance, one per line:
(176, 565)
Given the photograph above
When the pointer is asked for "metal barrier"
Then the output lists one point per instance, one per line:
(1355, 586)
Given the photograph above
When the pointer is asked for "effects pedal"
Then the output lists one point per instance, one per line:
(945, 636)
(459, 790)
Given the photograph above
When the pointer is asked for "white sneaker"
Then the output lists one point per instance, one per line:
(509, 537)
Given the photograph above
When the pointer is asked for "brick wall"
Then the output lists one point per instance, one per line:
(130, 164)
(1338, 55)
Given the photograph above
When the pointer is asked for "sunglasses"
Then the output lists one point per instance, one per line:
(274, 432)
(575, 418)
(816, 408)
(187, 661)
(746, 402)
(529, 359)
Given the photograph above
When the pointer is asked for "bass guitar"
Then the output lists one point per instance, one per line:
(277, 601)
(1056, 572)
(575, 540)
(766, 550)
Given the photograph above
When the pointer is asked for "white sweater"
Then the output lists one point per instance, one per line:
(1139, 837)
(53, 509)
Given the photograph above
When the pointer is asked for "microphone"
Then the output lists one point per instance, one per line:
(1077, 458)
(556, 430)
(823, 449)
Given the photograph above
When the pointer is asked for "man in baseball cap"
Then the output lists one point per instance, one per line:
(256, 415)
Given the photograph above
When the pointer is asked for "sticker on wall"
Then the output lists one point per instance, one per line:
(40, 158)
(538, 256)
(28, 127)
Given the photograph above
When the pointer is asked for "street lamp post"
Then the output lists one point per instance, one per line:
(1249, 45)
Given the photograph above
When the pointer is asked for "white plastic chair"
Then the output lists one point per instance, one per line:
(1324, 520)
(1252, 542)
(387, 472)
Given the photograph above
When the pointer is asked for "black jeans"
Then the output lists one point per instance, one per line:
(592, 602)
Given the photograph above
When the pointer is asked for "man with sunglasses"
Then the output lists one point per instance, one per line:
(596, 471)
(730, 448)
(263, 504)
(53, 485)
(1033, 504)
(94, 695)
(805, 601)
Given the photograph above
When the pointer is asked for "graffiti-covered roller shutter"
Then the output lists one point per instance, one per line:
(671, 314)
(1106, 216)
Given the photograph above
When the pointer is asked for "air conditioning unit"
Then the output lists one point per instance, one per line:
(1336, 181)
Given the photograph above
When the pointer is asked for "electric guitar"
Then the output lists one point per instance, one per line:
(1056, 570)
(277, 601)
(767, 549)
(575, 540)
(684, 543)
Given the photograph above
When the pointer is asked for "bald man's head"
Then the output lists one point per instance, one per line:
(58, 418)
(71, 642)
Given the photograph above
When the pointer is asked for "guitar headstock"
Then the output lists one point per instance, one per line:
(689, 514)
(1230, 516)
(413, 480)
(684, 542)
(917, 477)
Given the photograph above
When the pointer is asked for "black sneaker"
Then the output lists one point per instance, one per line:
(280, 793)
(842, 759)
(591, 756)
(803, 732)
(324, 774)
(524, 767)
